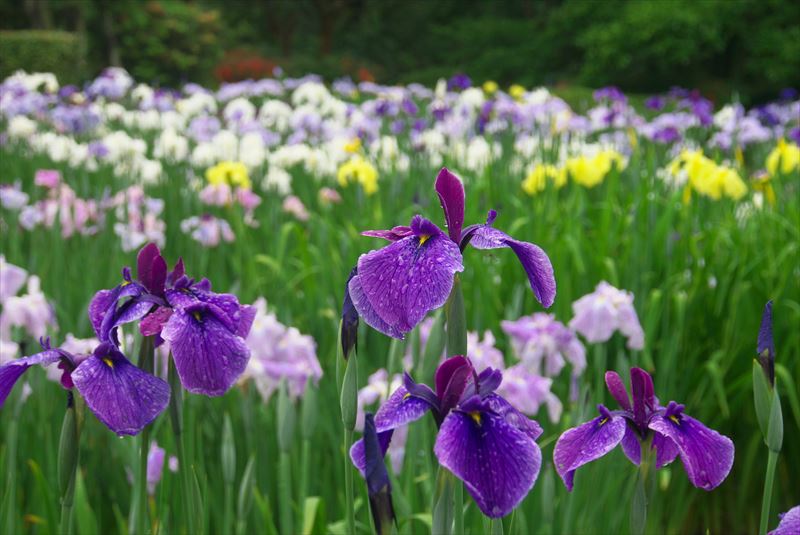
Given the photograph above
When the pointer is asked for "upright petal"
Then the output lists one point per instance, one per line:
(405, 280)
(151, 269)
(617, 389)
(534, 260)
(209, 356)
(643, 395)
(707, 456)
(497, 461)
(10, 372)
(122, 396)
(585, 443)
(451, 195)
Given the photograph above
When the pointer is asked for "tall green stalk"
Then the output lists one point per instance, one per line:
(176, 417)
(68, 450)
(141, 522)
(349, 406)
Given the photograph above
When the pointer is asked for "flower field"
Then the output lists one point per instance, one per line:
(238, 296)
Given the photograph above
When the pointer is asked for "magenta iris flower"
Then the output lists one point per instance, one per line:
(707, 455)
(393, 288)
(122, 396)
(206, 330)
(482, 439)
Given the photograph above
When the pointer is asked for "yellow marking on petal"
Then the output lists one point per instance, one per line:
(125, 283)
(675, 419)
(197, 315)
(603, 421)
(476, 416)
(406, 396)
(423, 239)
(109, 362)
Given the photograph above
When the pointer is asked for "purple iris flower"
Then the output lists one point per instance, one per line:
(789, 522)
(482, 439)
(459, 81)
(206, 330)
(123, 397)
(393, 288)
(707, 456)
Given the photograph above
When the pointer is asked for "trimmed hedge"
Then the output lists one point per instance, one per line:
(42, 51)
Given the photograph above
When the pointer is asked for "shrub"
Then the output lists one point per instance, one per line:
(61, 53)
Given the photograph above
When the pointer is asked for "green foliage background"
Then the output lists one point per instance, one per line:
(747, 47)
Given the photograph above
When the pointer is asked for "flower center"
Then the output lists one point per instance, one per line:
(423, 239)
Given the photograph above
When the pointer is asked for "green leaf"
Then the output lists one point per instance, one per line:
(761, 397)
(775, 433)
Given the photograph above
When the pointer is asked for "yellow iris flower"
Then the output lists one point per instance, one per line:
(707, 178)
(357, 169)
(490, 87)
(785, 156)
(589, 171)
(230, 173)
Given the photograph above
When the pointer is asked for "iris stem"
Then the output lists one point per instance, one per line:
(640, 491)
(146, 364)
(772, 461)
(458, 508)
(68, 462)
(496, 526)
(176, 417)
(348, 483)
(443, 503)
(285, 494)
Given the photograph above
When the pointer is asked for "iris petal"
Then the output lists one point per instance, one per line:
(498, 462)
(585, 443)
(707, 455)
(122, 396)
(399, 410)
(209, 356)
(533, 259)
(451, 195)
(405, 280)
(10, 372)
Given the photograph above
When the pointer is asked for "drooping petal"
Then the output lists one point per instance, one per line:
(514, 417)
(364, 309)
(617, 389)
(400, 409)
(10, 372)
(534, 260)
(405, 280)
(631, 445)
(707, 456)
(451, 195)
(209, 356)
(789, 524)
(122, 396)
(585, 443)
(497, 461)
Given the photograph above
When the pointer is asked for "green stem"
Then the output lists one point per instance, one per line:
(772, 461)
(176, 417)
(443, 503)
(285, 494)
(458, 507)
(497, 526)
(639, 501)
(146, 358)
(68, 462)
(348, 484)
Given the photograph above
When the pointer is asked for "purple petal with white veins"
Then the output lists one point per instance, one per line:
(122, 396)
(451, 195)
(534, 260)
(208, 355)
(617, 388)
(789, 524)
(707, 456)
(497, 462)
(400, 409)
(407, 279)
(585, 443)
(514, 417)
(10, 372)
(365, 310)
